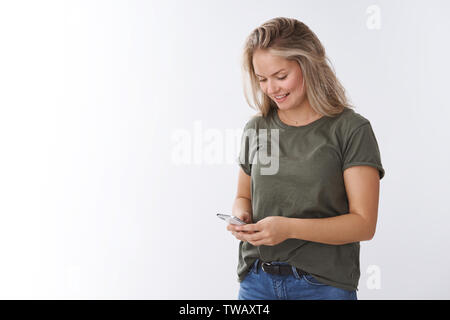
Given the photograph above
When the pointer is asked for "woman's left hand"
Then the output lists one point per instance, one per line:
(268, 231)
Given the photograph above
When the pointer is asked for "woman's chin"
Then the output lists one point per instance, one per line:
(283, 107)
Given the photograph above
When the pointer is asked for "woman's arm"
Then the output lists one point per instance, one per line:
(242, 206)
(362, 186)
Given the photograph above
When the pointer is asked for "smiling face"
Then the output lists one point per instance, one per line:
(289, 79)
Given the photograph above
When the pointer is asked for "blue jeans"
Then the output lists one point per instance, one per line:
(259, 285)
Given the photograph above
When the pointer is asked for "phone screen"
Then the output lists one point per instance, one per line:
(231, 219)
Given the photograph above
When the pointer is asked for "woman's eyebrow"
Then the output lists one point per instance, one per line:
(272, 74)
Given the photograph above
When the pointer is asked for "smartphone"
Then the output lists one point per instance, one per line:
(231, 219)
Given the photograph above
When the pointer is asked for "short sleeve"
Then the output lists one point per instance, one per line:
(361, 148)
(245, 153)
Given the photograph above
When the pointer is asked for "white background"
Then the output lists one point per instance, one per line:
(93, 204)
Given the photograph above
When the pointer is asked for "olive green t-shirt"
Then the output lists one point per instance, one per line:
(298, 172)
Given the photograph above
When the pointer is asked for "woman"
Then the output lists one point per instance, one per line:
(306, 216)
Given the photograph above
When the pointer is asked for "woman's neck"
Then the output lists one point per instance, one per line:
(298, 116)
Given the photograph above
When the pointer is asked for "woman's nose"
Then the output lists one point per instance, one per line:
(272, 88)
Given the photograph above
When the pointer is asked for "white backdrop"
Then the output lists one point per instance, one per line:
(119, 130)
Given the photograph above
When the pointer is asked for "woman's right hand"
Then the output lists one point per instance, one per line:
(244, 216)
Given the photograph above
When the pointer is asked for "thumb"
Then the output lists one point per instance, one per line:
(246, 217)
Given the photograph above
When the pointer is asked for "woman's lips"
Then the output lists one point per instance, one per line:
(282, 99)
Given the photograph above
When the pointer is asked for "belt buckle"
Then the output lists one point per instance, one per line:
(271, 268)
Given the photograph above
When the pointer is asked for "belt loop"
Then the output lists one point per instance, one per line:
(294, 270)
(255, 266)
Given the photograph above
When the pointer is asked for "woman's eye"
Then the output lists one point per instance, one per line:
(277, 78)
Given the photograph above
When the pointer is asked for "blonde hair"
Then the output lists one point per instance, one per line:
(293, 40)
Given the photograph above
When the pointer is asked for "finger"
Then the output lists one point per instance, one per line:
(248, 228)
(257, 243)
(242, 236)
(243, 231)
(258, 240)
(253, 236)
(238, 235)
(256, 236)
